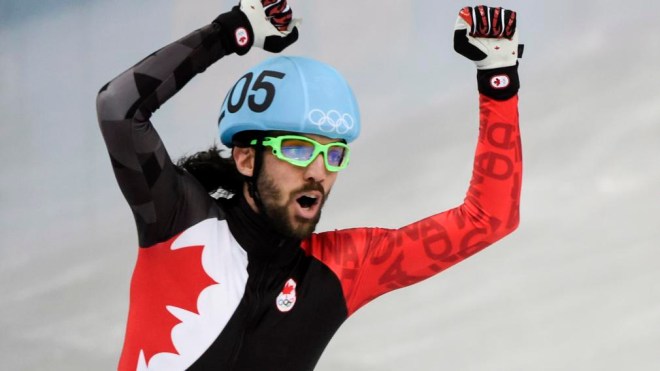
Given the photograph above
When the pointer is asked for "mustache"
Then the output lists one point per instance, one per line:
(310, 186)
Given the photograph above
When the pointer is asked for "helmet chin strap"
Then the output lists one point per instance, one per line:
(252, 181)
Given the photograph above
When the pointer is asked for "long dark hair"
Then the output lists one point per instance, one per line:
(216, 172)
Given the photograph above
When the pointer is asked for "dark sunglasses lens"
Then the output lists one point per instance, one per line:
(336, 155)
(297, 149)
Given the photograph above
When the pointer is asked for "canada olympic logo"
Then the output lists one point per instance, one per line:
(287, 297)
(331, 121)
(242, 36)
(500, 81)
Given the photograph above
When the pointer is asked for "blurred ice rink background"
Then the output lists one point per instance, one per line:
(577, 287)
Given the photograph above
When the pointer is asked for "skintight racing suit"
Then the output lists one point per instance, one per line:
(214, 287)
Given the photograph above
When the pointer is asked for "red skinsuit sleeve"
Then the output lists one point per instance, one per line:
(372, 261)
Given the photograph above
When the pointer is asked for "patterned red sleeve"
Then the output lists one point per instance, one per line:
(372, 261)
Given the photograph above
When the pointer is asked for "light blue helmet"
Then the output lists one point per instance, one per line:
(291, 94)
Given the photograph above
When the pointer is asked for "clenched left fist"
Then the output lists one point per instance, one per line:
(487, 36)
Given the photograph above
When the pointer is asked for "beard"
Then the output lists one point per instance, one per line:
(276, 208)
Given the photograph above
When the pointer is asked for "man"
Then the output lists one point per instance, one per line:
(240, 281)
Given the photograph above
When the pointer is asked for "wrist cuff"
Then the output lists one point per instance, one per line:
(235, 31)
(499, 83)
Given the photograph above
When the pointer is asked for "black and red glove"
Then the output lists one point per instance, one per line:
(488, 36)
(266, 24)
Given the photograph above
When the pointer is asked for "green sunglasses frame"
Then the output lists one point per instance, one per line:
(276, 144)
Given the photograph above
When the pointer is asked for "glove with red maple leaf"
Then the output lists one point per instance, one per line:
(488, 36)
(266, 24)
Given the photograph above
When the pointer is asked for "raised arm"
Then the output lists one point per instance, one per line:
(152, 185)
(372, 261)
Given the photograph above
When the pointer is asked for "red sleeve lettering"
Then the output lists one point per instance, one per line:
(372, 261)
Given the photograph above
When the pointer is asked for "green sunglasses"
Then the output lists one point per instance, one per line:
(302, 151)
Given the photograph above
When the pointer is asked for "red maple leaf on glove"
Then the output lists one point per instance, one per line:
(162, 277)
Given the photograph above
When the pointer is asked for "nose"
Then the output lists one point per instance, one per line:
(316, 171)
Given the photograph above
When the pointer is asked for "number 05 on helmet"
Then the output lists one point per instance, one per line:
(293, 95)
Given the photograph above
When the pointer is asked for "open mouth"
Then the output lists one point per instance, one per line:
(307, 205)
(307, 201)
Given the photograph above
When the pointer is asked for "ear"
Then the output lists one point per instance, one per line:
(244, 159)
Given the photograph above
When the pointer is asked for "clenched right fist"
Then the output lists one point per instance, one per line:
(266, 24)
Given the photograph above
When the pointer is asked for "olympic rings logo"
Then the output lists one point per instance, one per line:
(285, 302)
(331, 121)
